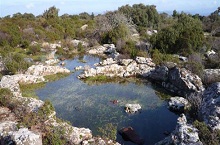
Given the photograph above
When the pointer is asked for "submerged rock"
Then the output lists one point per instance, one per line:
(129, 134)
(132, 108)
(178, 104)
(210, 108)
(184, 134)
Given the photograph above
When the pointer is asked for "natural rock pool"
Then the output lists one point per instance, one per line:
(89, 104)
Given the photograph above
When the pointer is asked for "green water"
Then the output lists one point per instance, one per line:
(89, 104)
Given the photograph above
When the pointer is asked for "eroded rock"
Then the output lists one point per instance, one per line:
(184, 134)
(210, 108)
(42, 70)
(177, 80)
(132, 108)
(25, 137)
(178, 104)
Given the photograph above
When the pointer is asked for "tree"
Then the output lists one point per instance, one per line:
(52, 12)
(184, 37)
(142, 15)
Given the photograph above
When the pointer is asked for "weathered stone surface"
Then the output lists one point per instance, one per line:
(178, 104)
(145, 60)
(52, 61)
(211, 76)
(51, 46)
(184, 134)
(119, 68)
(98, 50)
(132, 108)
(129, 134)
(42, 70)
(99, 141)
(159, 74)
(25, 137)
(177, 80)
(77, 42)
(6, 127)
(6, 115)
(210, 108)
(105, 50)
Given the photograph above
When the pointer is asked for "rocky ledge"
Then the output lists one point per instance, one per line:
(178, 104)
(120, 68)
(184, 134)
(210, 108)
(177, 80)
(9, 131)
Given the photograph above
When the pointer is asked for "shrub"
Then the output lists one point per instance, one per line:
(206, 135)
(195, 64)
(159, 58)
(34, 49)
(15, 63)
(108, 131)
(5, 97)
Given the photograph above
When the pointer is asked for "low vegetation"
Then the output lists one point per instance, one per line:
(206, 135)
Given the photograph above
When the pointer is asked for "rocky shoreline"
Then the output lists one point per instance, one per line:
(10, 132)
(177, 80)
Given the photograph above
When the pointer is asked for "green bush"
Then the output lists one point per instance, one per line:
(5, 97)
(206, 135)
(15, 63)
(34, 50)
(160, 58)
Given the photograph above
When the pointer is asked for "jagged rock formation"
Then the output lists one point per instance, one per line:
(177, 80)
(121, 68)
(9, 133)
(210, 108)
(184, 134)
(43, 70)
(178, 104)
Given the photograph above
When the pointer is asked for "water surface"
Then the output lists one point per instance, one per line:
(89, 105)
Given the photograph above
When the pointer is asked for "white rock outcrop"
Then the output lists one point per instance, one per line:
(210, 108)
(26, 137)
(178, 104)
(184, 134)
(43, 70)
(132, 108)
(120, 68)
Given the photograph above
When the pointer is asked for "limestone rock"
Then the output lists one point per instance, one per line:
(52, 61)
(125, 62)
(144, 60)
(210, 108)
(42, 70)
(77, 42)
(159, 74)
(119, 68)
(178, 104)
(6, 127)
(25, 137)
(132, 108)
(184, 134)
(98, 50)
(177, 80)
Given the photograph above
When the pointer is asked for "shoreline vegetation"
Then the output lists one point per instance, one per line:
(188, 41)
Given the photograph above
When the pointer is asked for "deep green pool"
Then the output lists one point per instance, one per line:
(89, 104)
